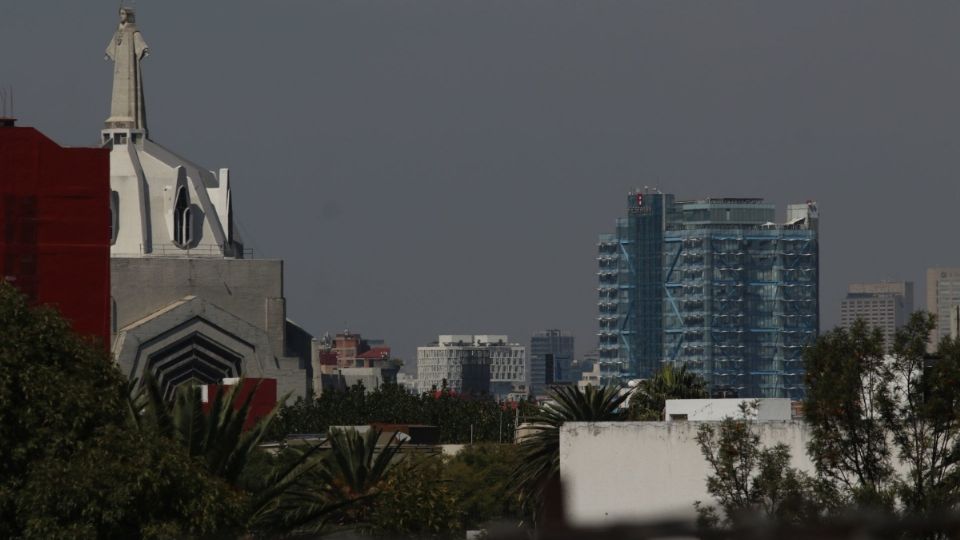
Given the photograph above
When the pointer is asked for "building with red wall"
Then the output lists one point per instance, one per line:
(55, 226)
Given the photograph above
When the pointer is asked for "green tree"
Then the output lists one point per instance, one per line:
(461, 419)
(416, 501)
(68, 465)
(849, 444)
(341, 489)
(748, 480)
(920, 408)
(127, 484)
(216, 435)
(540, 448)
(866, 409)
(649, 398)
(480, 478)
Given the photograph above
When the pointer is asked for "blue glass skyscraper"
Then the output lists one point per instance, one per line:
(715, 284)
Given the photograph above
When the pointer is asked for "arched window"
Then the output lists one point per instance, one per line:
(181, 219)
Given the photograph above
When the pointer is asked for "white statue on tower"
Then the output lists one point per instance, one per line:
(127, 49)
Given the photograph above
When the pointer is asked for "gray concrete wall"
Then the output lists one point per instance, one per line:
(251, 289)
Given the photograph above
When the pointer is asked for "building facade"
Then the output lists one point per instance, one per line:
(551, 360)
(189, 305)
(473, 364)
(715, 284)
(55, 241)
(943, 292)
(886, 306)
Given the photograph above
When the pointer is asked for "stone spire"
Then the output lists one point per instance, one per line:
(127, 49)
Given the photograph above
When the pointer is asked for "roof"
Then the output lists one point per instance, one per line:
(375, 353)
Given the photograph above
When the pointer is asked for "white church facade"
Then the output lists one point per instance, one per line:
(189, 306)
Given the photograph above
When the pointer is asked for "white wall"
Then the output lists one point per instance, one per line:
(637, 471)
(714, 410)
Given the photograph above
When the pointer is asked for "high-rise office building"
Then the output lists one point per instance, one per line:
(943, 292)
(886, 306)
(551, 360)
(715, 284)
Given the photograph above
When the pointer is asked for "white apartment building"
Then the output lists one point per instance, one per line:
(473, 363)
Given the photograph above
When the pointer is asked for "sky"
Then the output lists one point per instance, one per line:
(445, 166)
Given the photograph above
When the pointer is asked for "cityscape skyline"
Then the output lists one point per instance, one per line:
(379, 200)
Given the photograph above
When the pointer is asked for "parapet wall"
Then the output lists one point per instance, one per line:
(640, 471)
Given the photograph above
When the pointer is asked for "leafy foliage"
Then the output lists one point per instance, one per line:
(748, 479)
(866, 409)
(341, 488)
(480, 478)
(849, 444)
(68, 465)
(217, 435)
(416, 502)
(649, 399)
(126, 484)
(920, 408)
(460, 419)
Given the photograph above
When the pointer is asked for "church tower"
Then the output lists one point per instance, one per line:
(161, 203)
(186, 305)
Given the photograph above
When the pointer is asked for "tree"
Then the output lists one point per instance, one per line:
(920, 408)
(849, 444)
(69, 466)
(461, 419)
(417, 501)
(649, 399)
(747, 479)
(866, 409)
(540, 449)
(340, 490)
(216, 435)
(480, 478)
(128, 484)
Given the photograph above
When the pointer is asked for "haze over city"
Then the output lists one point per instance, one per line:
(444, 167)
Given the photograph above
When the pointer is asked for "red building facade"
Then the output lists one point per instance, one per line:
(55, 226)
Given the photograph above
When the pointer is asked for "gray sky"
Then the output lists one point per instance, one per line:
(445, 166)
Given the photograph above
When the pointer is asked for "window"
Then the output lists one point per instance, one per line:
(182, 226)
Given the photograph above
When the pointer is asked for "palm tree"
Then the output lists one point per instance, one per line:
(540, 449)
(217, 435)
(349, 476)
(649, 399)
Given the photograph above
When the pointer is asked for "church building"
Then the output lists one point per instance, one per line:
(188, 303)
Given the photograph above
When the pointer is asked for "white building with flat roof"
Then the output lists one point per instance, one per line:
(468, 363)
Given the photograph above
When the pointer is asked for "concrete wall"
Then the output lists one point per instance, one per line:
(251, 289)
(635, 471)
(714, 410)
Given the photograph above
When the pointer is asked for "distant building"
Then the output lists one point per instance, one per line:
(551, 360)
(348, 359)
(473, 364)
(715, 284)
(55, 218)
(943, 292)
(508, 366)
(593, 378)
(886, 305)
